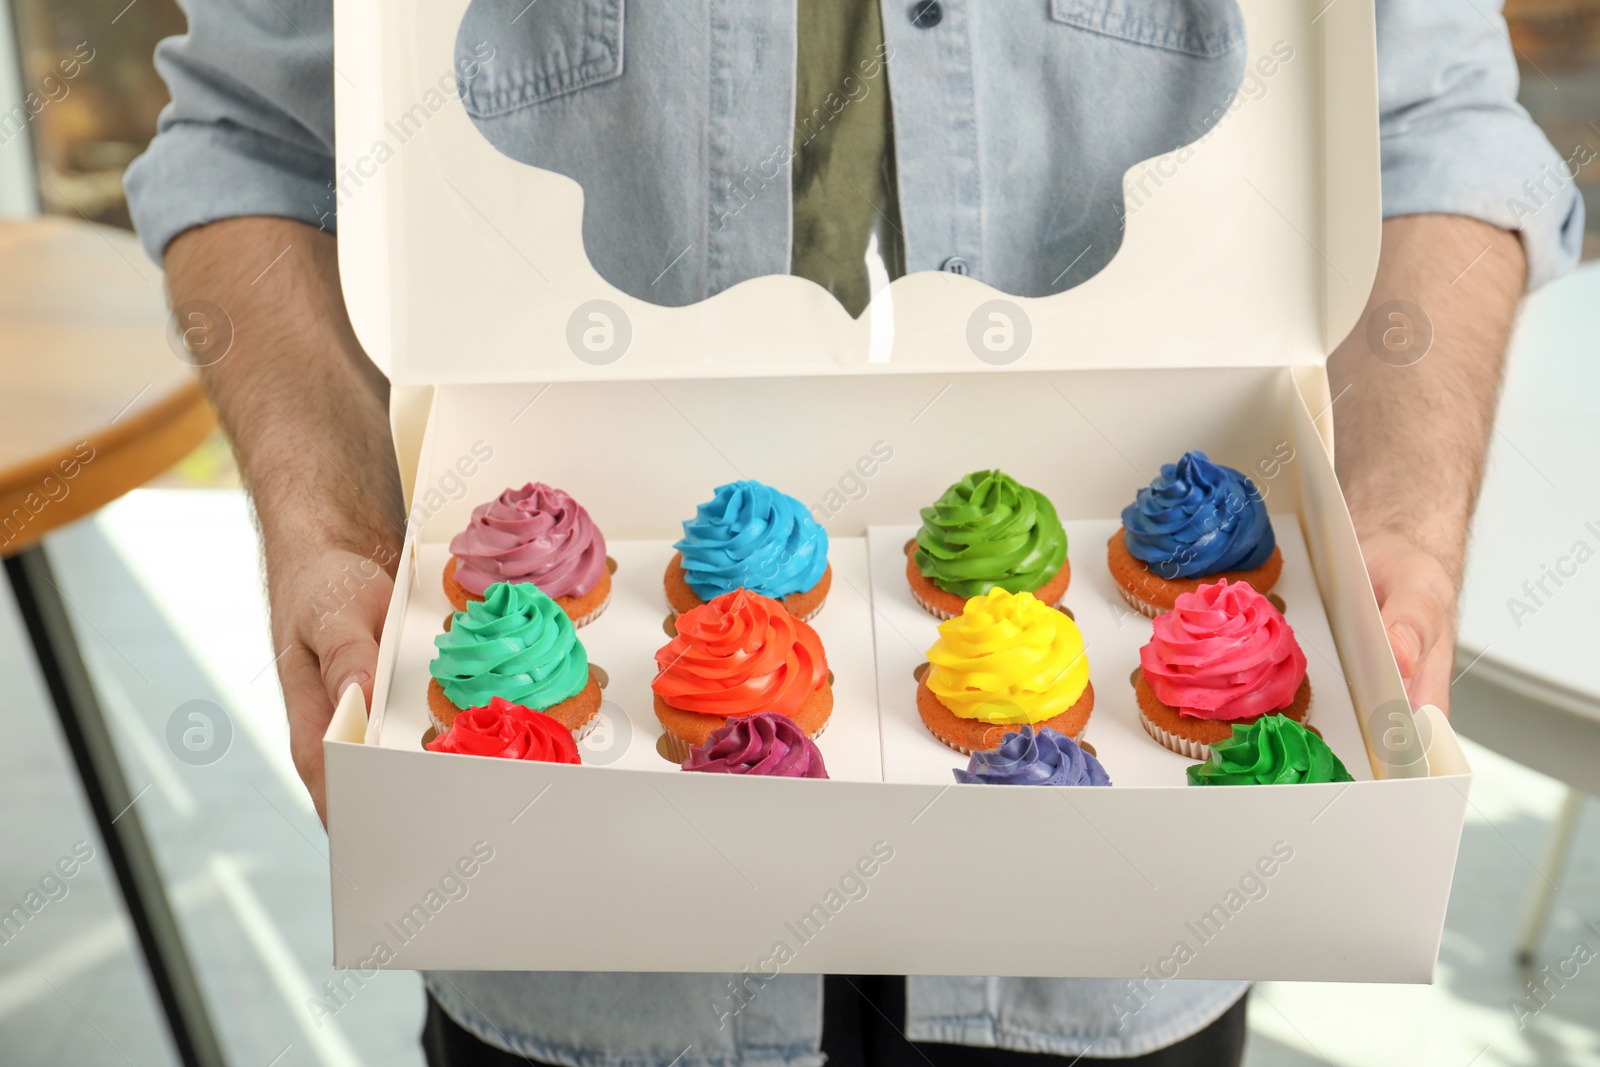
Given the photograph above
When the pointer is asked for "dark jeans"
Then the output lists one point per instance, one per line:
(861, 1017)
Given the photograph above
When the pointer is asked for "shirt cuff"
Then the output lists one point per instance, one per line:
(1502, 171)
(196, 173)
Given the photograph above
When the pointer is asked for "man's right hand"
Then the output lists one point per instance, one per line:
(307, 413)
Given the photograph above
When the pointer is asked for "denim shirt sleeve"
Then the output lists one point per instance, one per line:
(249, 130)
(1454, 138)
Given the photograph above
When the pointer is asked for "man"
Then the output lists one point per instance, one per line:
(1003, 158)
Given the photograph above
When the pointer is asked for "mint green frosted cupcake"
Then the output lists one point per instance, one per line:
(516, 644)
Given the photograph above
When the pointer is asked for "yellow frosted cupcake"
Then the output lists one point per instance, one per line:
(1007, 659)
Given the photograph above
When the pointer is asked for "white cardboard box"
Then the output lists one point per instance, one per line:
(1207, 331)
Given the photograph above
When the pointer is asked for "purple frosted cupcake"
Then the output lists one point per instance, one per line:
(1024, 757)
(764, 743)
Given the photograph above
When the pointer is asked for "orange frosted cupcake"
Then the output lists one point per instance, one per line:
(737, 655)
(1007, 660)
(536, 534)
(1222, 656)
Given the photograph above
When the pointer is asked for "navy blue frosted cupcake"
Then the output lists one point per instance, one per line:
(1198, 522)
(750, 536)
(1047, 757)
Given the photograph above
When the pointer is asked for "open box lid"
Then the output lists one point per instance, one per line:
(1259, 249)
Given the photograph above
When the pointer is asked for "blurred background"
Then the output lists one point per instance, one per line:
(244, 857)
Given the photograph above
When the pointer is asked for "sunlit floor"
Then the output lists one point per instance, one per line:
(166, 595)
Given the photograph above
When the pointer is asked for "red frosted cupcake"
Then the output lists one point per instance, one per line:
(508, 731)
(536, 534)
(737, 655)
(1223, 655)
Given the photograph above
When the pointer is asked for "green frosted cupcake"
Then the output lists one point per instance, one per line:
(1273, 750)
(516, 644)
(987, 531)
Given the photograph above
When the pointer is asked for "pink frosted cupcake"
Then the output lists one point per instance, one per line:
(1223, 656)
(536, 534)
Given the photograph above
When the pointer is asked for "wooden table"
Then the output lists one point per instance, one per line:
(95, 401)
(1528, 662)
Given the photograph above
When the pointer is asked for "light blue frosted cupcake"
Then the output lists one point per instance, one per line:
(750, 536)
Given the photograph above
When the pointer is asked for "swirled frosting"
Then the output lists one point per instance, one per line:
(762, 743)
(1274, 750)
(509, 731)
(516, 643)
(989, 531)
(1048, 757)
(1198, 518)
(1008, 658)
(535, 534)
(1223, 652)
(739, 654)
(750, 536)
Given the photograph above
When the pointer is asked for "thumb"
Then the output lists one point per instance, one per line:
(347, 654)
(1411, 622)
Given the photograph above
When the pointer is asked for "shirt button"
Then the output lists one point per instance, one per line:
(926, 14)
(955, 265)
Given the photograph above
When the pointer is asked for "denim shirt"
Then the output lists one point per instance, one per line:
(1013, 126)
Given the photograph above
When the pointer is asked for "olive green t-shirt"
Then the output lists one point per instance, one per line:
(843, 168)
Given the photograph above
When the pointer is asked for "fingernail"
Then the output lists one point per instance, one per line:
(357, 679)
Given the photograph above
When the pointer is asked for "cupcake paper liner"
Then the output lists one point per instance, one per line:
(593, 615)
(1182, 745)
(1167, 739)
(1138, 605)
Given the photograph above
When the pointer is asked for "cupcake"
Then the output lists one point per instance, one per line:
(1198, 522)
(1273, 750)
(763, 743)
(535, 534)
(1026, 757)
(750, 536)
(738, 655)
(987, 532)
(509, 731)
(515, 644)
(1007, 660)
(1223, 655)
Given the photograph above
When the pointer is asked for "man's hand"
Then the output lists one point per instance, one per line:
(307, 413)
(1417, 596)
(327, 613)
(1411, 423)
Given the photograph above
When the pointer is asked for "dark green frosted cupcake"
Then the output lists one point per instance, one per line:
(1273, 750)
(987, 531)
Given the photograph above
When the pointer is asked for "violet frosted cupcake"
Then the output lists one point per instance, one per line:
(1029, 757)
(764, 743)
(536, 534)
